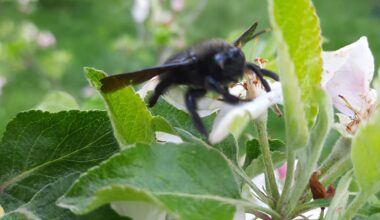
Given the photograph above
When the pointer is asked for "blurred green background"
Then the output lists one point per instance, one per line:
(44, 44)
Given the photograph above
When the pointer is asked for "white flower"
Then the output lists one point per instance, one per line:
(347, 74)
(225, 121)
(229, 115)
(168, 138)
(29, 31)
(3, 81)
(140, 10)
(45, 39)
(177, 5)
(175, 97)
(346, 77)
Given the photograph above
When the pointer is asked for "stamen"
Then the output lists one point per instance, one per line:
(348, 104)
(356, 120)
(261, 61)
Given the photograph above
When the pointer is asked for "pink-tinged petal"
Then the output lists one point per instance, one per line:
(239, 213)
(282, 171)
(348, 73)
(45, 39)
(177, 5)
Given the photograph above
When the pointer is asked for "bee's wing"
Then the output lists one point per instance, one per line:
(115, 82)
(248, 35)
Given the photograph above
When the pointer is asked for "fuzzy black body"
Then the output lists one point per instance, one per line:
(203, 65)
(211, 65)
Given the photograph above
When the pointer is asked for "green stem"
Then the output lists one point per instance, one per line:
(252, 208)
(304, 176)
(260, 195)
(355, 205)
(313, 150)
(332, 173)
(261, 126)
(288, 179)
(341, 149)
(321, 215)
(310, 206)
(336, 171)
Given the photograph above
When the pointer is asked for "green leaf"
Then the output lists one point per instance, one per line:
(369, 209)
(298, 35)
(372, 217)
(93, 103)
(161, 124)
(42, 205)
(253, 149)
(57, 101)
(131, 120)
(39, 148)
(365, 155)
(189, 181)
(257, 167)
(182, 120)
(178, 118)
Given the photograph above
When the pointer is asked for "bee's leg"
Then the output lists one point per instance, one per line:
(227, 97)
(264, 72)
(160, 89)
(257, 70)
(191, 104)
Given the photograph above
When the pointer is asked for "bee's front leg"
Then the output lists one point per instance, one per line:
(260, 73)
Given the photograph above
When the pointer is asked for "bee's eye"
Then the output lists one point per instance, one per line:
(233, 52)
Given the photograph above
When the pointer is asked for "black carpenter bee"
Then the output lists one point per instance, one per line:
(211, 65)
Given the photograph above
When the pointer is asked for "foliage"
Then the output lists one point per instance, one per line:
(84, 154)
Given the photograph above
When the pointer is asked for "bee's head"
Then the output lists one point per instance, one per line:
(232, 62)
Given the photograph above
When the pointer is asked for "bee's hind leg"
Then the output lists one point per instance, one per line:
(191, 97)
(160, 89)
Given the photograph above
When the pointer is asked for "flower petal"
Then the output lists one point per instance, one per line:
(147, 87)
(140, 10)
(205, 106)
(343, 124)
(166, 137)
(230, 113)
(348, 73)
(139, 210)
(175, 97)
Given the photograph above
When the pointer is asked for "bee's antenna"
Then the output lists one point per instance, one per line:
(248, 35)
(266, 30)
